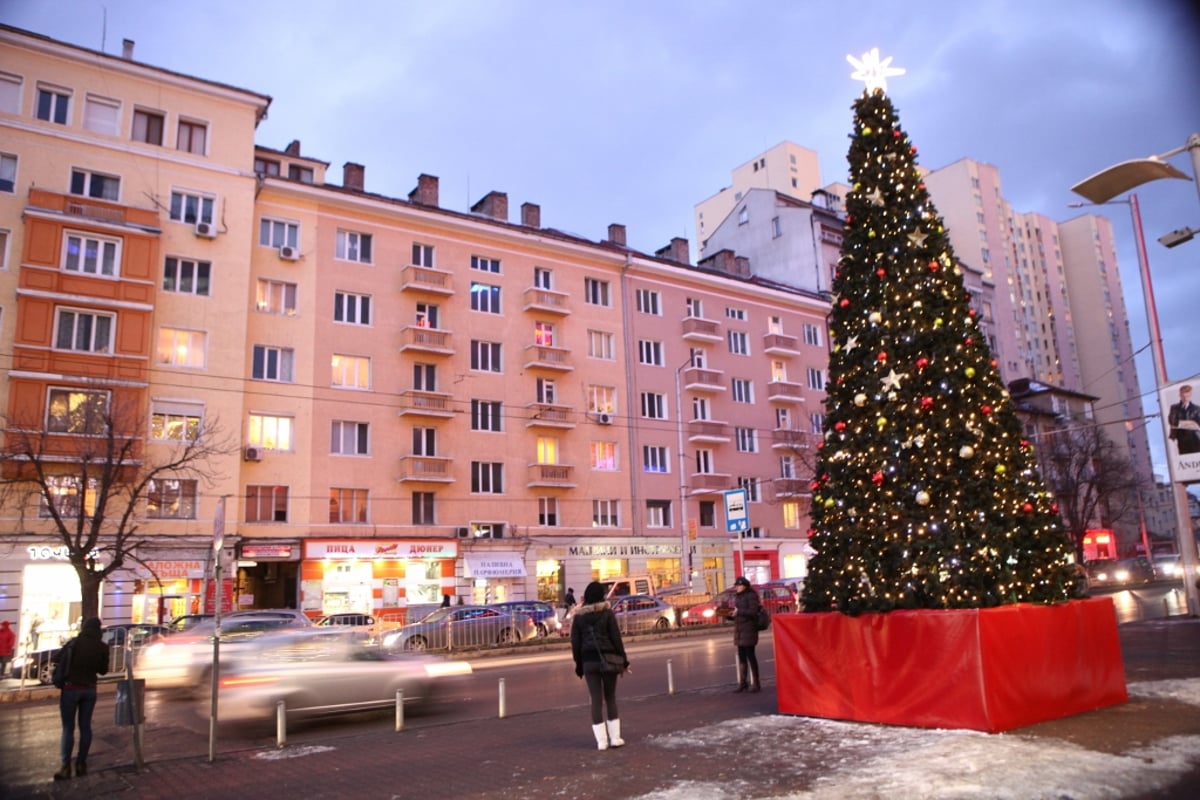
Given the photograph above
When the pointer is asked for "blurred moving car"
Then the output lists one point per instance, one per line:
(1168, 567)
(461, 626)
(187, 622)
(325, 670)
(710, 612)
(1120, 572)
(348, 619)
(40, 664)
(544, 615)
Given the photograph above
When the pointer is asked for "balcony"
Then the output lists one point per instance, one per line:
(546, 301)
(552, 358)
(550, 476)
(425, 469)
(707, 430)
(784, 392)
(778, 344)
(426, 404)
(696, 329)
(425, 279)
(787, 439)
(698, 379)
(709, 483)
(790, 487)
(91, 209)
(545, 415)
(426, 340)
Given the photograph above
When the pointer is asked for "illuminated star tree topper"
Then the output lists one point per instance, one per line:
(873, 71)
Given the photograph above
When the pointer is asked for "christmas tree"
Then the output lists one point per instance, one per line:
(925, 494)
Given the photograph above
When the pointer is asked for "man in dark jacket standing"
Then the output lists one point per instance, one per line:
(89, 660)
(745, 634)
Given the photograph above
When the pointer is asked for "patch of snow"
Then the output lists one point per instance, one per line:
(292, 752)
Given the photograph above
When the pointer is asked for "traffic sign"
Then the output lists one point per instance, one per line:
(737, 514)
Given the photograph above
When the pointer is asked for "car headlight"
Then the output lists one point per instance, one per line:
(1122, 575)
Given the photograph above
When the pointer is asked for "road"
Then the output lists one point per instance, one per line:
(1149, 601)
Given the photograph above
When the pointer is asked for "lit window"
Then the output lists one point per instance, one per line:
(351, 372)
(270, 432)
(348, 506)
(180, 348)
(170, 498)
(77, 411)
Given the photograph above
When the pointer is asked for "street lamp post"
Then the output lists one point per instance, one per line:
(685, 557)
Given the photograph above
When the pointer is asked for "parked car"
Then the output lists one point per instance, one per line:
(710, 612)
(778, 597)
(638, 613)
(39, 664)
(1120, 572)
(325, 670)
(543, 614)
(461, 626)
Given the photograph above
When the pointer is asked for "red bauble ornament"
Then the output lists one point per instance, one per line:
(895, 134)
(933, 266)
(1027, 508)
(877, 478)
(927, 402)
(882, 357)
(987, 411)
(913, 149)
(844, 303)
(839, 426)
(1054, 507)
(1024, 443)
(881, 272)
(969, 341)
(922, 362)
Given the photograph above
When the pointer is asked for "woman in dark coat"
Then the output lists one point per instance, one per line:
(594, 632)
(89, 659)
(745, 634)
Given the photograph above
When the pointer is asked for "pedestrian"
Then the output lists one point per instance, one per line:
(569, 600)
(8, 644)
(89, 659)
(445, 601)
(599, 659)
(745, 634)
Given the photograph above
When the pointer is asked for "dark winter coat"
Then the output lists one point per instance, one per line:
(89, 659)
(599, 621)
(745, 618)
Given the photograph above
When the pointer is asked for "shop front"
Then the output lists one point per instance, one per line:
(168, 589)
(496, 576)
(268, 573)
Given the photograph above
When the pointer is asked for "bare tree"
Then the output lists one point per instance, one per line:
(92, 476)
(1091, 480)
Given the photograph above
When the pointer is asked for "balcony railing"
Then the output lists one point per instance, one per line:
(542, 357)
(547, 301)
(706, 430)
(549, 416)
(699, 379)
(779, 344)
(697, 329)
(426, 279)
(709, 483)
(426, 340)
(429, 469)
(790, 487)
(426, 404)
(787, 439)
(784, 392)
(550, 476)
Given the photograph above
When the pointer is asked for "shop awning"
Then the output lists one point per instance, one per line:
(494, 565)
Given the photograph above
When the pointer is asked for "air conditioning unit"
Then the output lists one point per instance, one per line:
(463, 533)
(604, 418)
(289, 253)
(206, 230)
(252, 453)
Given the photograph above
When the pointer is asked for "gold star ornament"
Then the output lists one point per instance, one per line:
(872, 71)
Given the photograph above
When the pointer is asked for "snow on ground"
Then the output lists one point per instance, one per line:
(858, 761)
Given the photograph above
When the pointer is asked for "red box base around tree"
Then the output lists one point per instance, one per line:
(990, 669)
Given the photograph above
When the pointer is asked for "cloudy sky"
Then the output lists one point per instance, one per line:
(631, 111)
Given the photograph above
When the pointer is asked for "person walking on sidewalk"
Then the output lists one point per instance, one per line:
(88, 656)
(745, 633)
(599, 659)
(8, 645)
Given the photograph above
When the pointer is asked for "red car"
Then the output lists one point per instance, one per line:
(777, 596)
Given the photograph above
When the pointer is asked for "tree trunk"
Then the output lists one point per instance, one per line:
(89, 591)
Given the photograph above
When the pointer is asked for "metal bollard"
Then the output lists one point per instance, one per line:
(280, 723)
(503, 701)
(399, 710)
(670, 677)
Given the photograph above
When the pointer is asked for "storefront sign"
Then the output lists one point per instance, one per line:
(167, 570)
(264, 552)
(53, 552)
(618, 550)
(493, 565)
(381, 549)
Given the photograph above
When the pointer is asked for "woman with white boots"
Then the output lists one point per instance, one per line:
(599, 659)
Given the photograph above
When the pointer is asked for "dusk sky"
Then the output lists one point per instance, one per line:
(631, 111)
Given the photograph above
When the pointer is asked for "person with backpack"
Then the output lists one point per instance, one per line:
(746, 607)
(83, 660)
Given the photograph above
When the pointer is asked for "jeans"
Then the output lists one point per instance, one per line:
(70, 703)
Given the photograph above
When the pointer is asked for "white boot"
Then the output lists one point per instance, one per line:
(614, 733)
(601, 736)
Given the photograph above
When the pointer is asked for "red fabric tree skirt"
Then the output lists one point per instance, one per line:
(991, 669)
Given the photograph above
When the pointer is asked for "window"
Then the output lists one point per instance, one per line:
(176, 422)
(596, 292)
(180, 348)
(701, 409)
(694, 307)
(10, 93)
(787, 466)
(351, 372)
(278, 233)
(485, 298)
(816, 423)
(600, 345)
(148, 127)
(776, 228)
(348, 506)
(95, 184)
(791, 515)
(171, 498)
(747, 440)
(487, 477)
(276, 297)
(4, 237)
(778, 371)
(485, 264)
(697, 357)
(602, 399)
(77, 411)
(743, 390)
(548, 511)
(266, 166)
(69, 498)
(354, 309)
(546, 450)
(708, 514)
(543, 334)
(186, 277)
(349, 438)
(270, 432)
(353, 246)
(543, 278)
(91, 255)
(266, 504)
(739, 343)
(424, 441)
(84, 331)
(485, 415)
(654, 459)
(423, 508)
(658, 513)
(735, 313)
(52, 104)
(192, 207)
(547, 391)
(603, 456)
(783, 419)
(422, 255)
(650, 352)
(604, 513)
(743, 215)
(648, 302)
(272, 364)
(192, 137)
(485, 356)
(704, 462)
(100, 115)
(8, 172)
(425, 377)
(654, 405)
(816, 378)
(299, 173)
(427, 315)
(812, 334)
(751, 487)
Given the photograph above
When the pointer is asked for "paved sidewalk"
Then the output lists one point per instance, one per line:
(551, 754)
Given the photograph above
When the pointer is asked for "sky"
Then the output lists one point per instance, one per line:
(631, 112)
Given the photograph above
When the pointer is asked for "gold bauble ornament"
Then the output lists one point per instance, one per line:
(966, 451)
(922, 498)
(860, 399)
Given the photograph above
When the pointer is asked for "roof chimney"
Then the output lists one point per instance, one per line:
(353, 176)
(531, 215)
(493, 204)
(426, 193)
(616, 234)
(676, 251)
(127, 49)
(293, 149)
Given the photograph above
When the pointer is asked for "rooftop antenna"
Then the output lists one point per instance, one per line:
(103, 28)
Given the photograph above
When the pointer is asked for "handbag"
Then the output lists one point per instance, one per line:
(763, 620)
(611, 662)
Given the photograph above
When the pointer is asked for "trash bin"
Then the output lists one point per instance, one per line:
(131, 701)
